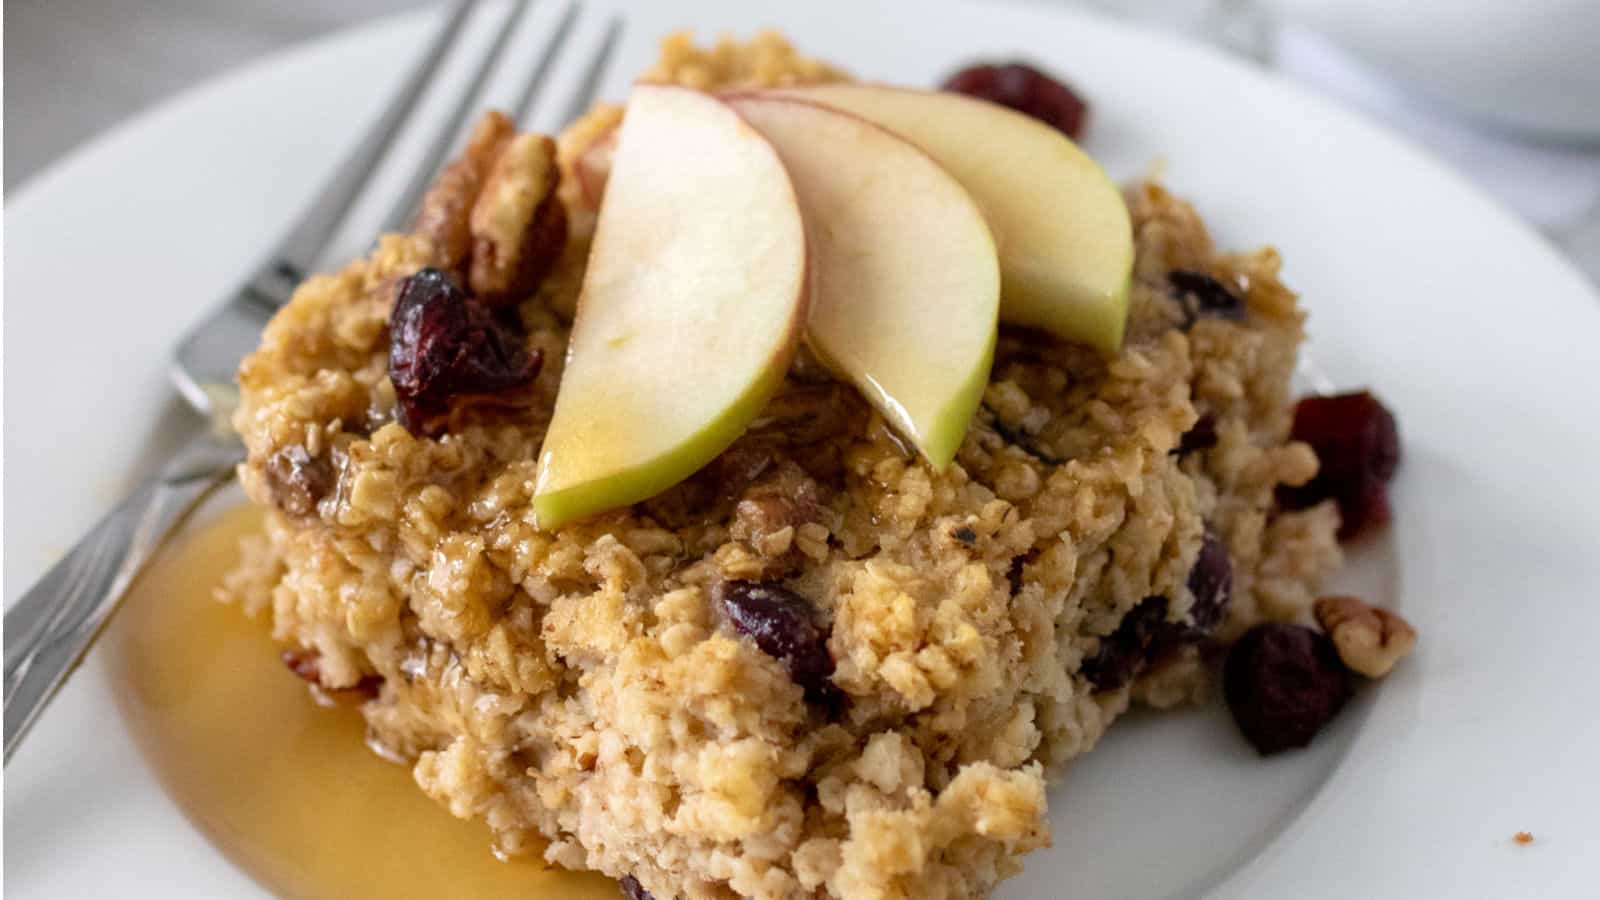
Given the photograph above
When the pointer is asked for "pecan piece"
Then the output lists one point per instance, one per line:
(785, 498)
(307, 665)
(298, 480)
(518, 224)
(448, 204)
(1370, 640)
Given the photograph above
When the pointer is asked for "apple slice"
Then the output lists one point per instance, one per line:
(1066, 245)
(906, 285)
(691, 308)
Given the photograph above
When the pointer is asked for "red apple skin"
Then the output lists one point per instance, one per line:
(593, 167)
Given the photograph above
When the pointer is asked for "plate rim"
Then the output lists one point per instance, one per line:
(85, 156)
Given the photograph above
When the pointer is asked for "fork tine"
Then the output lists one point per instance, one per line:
(590, 85)
(444, 138)
(546, 57)
(293, 259)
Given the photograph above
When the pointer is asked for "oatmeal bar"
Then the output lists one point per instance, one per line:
(592, 692)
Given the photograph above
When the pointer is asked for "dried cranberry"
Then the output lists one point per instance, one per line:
(1211, 582)
(1201, 295)
(307, 664)
(1363, 507)
(1283, 683)
(1144, 634)
(1203, 436)
(1358, 449)
(1026, 90)
(633, 890)
(298, 480)
(443, 346)
(784, 625)
(1122, 653)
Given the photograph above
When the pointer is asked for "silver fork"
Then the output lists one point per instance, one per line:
(49, 629)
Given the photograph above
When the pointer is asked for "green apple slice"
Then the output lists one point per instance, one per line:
(906, 284)
(692, 305)
(1066, 245)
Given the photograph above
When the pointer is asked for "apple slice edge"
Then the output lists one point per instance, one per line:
(645, 478)
(940, 446)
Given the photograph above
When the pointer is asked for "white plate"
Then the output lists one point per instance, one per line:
(1478, 335)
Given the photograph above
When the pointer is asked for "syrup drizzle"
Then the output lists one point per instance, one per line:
(287, 789)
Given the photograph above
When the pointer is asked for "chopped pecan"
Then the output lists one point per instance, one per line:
(298, 480)
(811, 413)
(585, 148)
(1369, 639)
(741, 464)
(448, 205)
(307, 664)
(518, 224)
(785, 498)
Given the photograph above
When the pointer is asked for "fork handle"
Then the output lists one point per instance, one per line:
(50, 628)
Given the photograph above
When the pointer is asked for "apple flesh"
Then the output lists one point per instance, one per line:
(1062, 228)
(691, 307)
(906, 284)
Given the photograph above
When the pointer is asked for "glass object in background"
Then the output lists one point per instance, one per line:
(1554, 185)
(1242, 26)
(1525, 66)
(1505, 91)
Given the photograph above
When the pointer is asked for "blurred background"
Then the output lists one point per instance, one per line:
(1506, 91)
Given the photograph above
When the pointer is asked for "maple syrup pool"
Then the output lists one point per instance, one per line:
(285, 788)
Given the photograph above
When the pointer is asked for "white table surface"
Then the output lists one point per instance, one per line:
(74, 68)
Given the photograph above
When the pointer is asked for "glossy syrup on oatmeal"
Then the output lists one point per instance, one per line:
(287, 789)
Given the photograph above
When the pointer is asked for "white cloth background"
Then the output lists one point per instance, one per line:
(76, 67)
